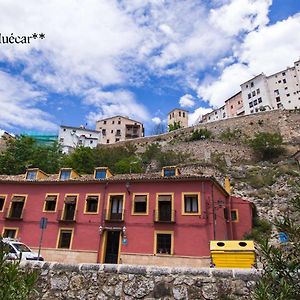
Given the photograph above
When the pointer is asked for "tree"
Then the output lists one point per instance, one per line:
(174, 126)
(15, 283)
(267, 145)
(24, 152)
(128, 165)
(281, 263)
(201, 134)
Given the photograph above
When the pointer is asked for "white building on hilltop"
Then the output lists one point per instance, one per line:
(71, 137)
(280, 90)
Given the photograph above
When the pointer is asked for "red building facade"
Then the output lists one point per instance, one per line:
(166, 219)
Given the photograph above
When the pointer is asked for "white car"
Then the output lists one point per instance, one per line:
(18, 250)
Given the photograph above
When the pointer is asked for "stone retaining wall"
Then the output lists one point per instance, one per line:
(127, 282)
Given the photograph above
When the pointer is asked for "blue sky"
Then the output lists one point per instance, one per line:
(138, 58)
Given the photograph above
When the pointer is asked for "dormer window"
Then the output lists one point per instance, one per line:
(100, 174)
(170, 171)
(65, 174)
(31, 175)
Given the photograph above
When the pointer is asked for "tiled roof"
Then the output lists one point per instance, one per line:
(89, 178)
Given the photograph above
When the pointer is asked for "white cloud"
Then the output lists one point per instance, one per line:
(187, 100)
(267, 50)
(18, 102)
(240, 15)
(110, 103)
(196, 115)
(156, 120)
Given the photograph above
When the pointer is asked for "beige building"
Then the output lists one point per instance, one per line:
(234, 106)
(178, 115)
(118, 128)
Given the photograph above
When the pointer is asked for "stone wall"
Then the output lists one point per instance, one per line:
(128, 282)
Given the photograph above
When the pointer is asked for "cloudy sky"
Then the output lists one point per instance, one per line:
(138, 58)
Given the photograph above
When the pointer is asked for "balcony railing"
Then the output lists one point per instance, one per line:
(66, 216)
(14, 214)
(113, 216)
(164, 216)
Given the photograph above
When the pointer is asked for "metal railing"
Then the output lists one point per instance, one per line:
(164, 216)
(64, 216)
(114, 216)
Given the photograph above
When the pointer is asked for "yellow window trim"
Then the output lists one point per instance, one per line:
(172, 203)
(85, 212)
(11, 228)
(147, 206)
(183, 206)
(108, 204)
(5, 197)
(108, 173)
(10, 204)
(73, 174)
(44, 206)
(77, 200)
(58, 236)
(177, 171)
(156, 232)
(237, 215)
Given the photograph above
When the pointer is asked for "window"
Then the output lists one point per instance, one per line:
(115, 208)
(140, 204)
(253, 93)
(279, 81)
(287, 95)
(249, 96)
(100, 173)
(10, 232)
(231, 106)
(16, 207)
(179, 113)
(286, 88)
(239, 102)
(31, 175)
(113, 122)
(118, 132)
(163, 242)
(246, 86)
(103, 131)
(65, 174)
(169, 172)
(2, 202)
(91, 204)
(107, 141)
(112, 131)
(277, 99)
(170, 117)
(284, 80)
(117, 140)
(104, 122)
(258, 91)
(251, 111)
(252, 84)
(91, 142)
(74, 130)
(255, 102)
(259, 100)
(283, 73)
(164, 208)
(183, 114)
(190, 205)
(276, 92)
(234, 215)
(119, 122)
(65, 238)
(250, 104)
(50, 203)
(69, 211)
(64, 129)
(61, 140)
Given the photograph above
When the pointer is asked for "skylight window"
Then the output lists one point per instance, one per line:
(65, 174)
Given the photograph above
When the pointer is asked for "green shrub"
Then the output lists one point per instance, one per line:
(267, 145)
(15, 283)
(201, 134)
(174, 126)
(229, 135)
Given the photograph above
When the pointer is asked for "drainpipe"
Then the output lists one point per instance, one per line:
(101, 222)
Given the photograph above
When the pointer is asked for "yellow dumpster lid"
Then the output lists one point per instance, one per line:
(239, 245)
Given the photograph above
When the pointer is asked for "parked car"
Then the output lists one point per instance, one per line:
(18, 250)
